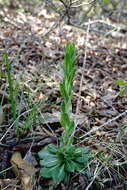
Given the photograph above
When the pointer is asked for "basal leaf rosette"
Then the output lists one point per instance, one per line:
(57, 163)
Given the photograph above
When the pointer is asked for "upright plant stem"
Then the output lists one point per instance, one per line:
(66, 91)
(11, 86)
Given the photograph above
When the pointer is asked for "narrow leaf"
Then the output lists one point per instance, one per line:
(63, 91)
(121, 82)
(123, 91)
(65, 120)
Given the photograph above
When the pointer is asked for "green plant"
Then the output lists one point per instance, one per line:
(12, 90)
(123, 89)
(66, 91)
(29, 120)
(58, 161)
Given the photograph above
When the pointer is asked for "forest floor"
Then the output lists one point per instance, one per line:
(36, 49)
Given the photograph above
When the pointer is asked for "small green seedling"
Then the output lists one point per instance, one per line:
(123, 85)
(59, 161)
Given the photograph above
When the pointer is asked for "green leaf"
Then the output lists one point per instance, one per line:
(57, 172)
(121, 82)
(44, 154)
(71, 127)
(63, 91)
(71, 75)
(66, 106)
(67, 177)
(45, 172)
(51, 172)
(123, 91)
(70, 149)
(49, 162)
(52, 148)
(70, 166)
(65, 120)
(69, 85)
(63, 108)
(69, 58)
(77, 166)
(61, 174)
(106, 1)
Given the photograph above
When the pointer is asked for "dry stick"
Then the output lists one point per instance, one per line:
(51, 29)
(57, 23)
(76, 1)
(96, 173)
(103, 125)
(84, 63)
(84, 28)
(81, 81)
(47, 126)
(114, 27)
(4, 94)
(91, 2)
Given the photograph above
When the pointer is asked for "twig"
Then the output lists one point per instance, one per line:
(84, 63)
(85, 28)
(4, 94)
(53, 134)
(95, 175)
(51, 29)
(103, 125)
(91, 2)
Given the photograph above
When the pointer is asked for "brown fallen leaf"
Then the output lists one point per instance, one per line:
(24, 171)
